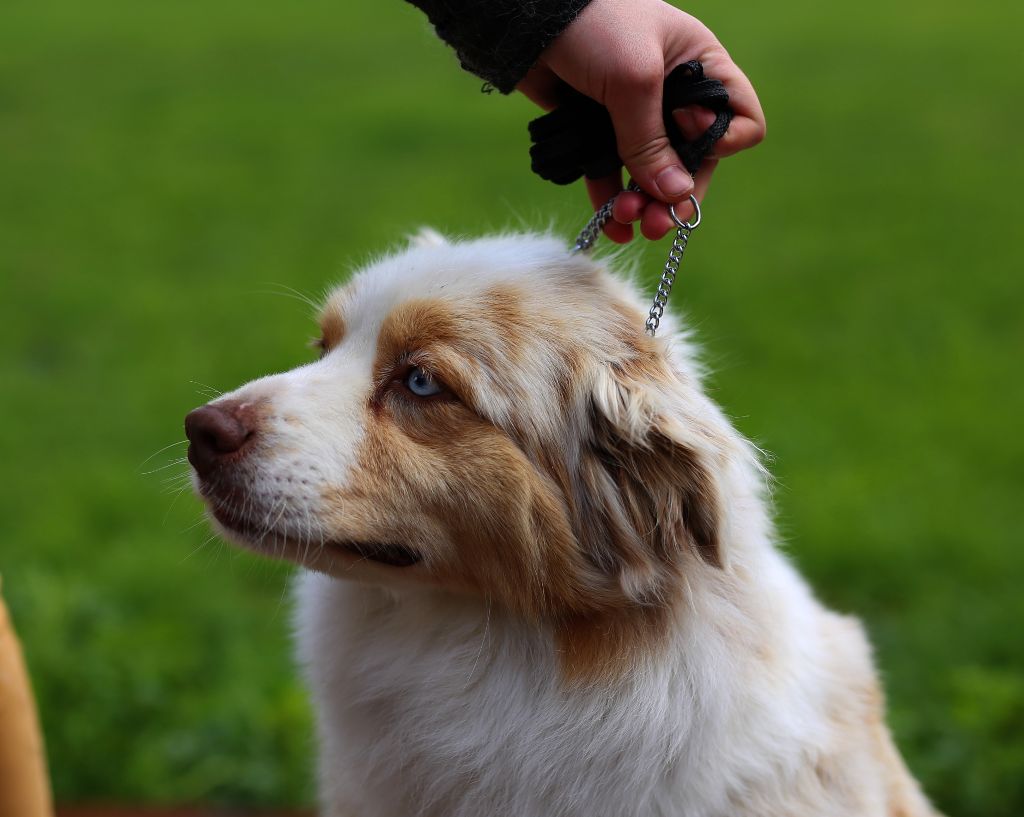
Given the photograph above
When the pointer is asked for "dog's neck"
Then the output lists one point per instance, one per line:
(736, 606)
(443, 684)
(737, 602)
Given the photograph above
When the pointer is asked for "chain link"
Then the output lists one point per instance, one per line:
(589, 234)
(668, 278)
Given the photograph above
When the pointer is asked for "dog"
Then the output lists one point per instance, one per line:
(541, 577)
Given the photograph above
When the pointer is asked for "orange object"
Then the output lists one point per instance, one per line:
(24, 783)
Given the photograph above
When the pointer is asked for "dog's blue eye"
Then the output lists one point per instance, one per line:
(420, 383)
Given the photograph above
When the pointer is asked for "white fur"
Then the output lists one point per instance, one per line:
(432, 703)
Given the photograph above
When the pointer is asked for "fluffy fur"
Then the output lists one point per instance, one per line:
(551, 587)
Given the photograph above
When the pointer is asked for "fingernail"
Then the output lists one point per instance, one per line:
(674, 182)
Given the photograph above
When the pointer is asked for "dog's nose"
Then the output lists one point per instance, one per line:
(213, 432)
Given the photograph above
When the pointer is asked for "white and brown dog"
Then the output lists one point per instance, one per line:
(542, 577)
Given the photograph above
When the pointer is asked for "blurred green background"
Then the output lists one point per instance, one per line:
(166, 168)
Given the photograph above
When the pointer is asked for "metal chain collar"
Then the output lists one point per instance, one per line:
(589, 234)
(675, 258)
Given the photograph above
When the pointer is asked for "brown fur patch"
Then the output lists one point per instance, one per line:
(648, 498)
(427, 332)
(332, 324)
(502, 308)
(638, 511)
(641, 502)
(504, 533)
(610, 644)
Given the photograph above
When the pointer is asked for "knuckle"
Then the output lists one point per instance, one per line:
(638, 68)
(645, 152)
(642, 77)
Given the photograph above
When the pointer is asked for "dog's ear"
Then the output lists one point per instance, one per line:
(427, 237)
(647, 489)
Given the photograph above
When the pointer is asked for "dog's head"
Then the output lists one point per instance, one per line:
(486, 417)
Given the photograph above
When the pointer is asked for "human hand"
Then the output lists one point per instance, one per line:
(618, 52)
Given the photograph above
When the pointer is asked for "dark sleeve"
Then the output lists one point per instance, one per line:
(500, 40)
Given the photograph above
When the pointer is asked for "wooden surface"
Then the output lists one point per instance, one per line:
(24, 783)
(128, 811)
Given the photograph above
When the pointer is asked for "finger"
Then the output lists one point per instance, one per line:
(656, 222)
(703, 179)
(629, 206)
(694, 120)
(748, 125)
(601, 191)
(743, 133)
(619, 233)
(635, 108)
(541, 87)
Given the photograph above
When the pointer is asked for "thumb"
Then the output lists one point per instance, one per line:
(644, 146)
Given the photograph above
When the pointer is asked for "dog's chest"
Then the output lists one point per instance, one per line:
(447, 711)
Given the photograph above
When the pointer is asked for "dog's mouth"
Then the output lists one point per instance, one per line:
(385, 553)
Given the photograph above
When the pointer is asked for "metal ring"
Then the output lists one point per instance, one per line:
(685, 225)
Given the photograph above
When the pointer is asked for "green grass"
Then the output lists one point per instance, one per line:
(856, 284)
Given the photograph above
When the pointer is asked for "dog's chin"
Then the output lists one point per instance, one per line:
(275, 543)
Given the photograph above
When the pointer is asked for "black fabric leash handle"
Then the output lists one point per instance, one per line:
(577, 138)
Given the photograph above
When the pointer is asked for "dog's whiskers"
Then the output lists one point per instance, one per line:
(161, 451)
(171, 464)
(201, 546)
(206, 391)
(285, 291)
